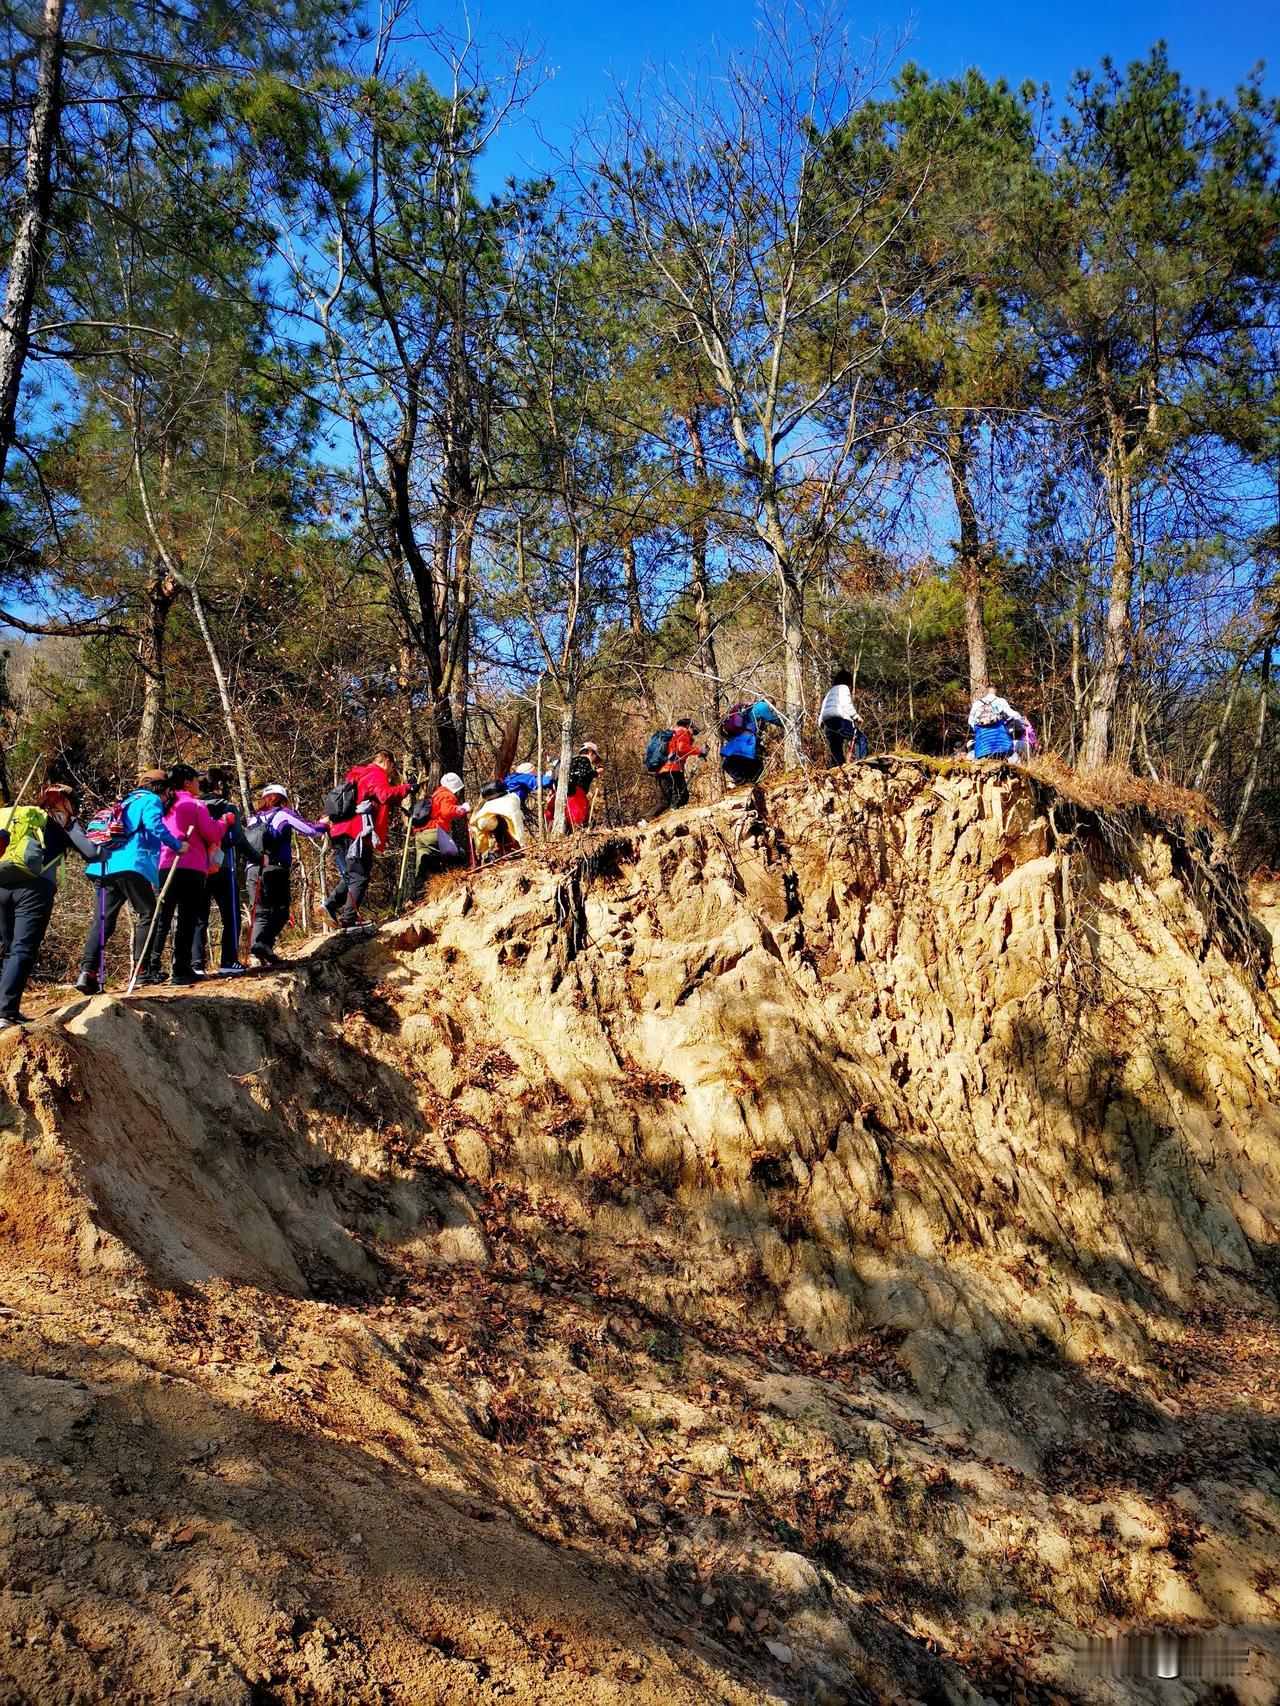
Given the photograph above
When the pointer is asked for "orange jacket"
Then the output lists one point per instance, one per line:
(680, 750)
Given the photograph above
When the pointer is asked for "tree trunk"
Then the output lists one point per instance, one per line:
(1255, 757)
(151, 659)
(1117, 634)
(708, 662)
(31, 224)
(970, 560)
(639, 631)
(224, 695)
(566, 758)
(792, 612)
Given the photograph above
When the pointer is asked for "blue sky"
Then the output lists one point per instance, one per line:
(1212, 42)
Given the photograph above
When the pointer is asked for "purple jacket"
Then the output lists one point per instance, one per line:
(282, 822)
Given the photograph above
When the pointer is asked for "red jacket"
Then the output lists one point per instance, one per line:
(374, 789)
(679, 750)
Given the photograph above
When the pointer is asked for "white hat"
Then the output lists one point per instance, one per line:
(527, 769)
(452, 781)
(275, 788)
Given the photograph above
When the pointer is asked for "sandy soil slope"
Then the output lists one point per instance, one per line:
(819, 1248)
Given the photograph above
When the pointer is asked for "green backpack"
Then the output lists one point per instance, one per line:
(22, 831)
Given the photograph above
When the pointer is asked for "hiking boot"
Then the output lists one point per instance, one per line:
(183, 979)
(7, 1019)
(230, 971)
(332, 914)
(87, 984)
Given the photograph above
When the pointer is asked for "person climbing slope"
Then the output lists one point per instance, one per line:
(36, 840)
(125, 872)
(740, 754)
(989, 718)
(371, 791)
(182, 897)
(839, 719)
(671, 777)
(220, 887)
(268, 871)
(439, 836)
(584, 771)
(498, 824)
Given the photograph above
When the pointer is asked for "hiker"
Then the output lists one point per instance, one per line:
(441, 827)
(523, 783)
(268, 870)
(671, 777)
(182, 893)
(498, 825)
(220, 886)
(360, 834)
(36, 841)
(989, 718)
(126, 870)
(1025, 739)
(740, 754)
(839, 719)
(584, 770)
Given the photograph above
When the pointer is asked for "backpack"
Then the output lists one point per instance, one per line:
(22, 830)
(108, 828)
(582, 772)
(420, 816)
(658, 749)
(340, 803)
(261, 835)
(988, 716)
(736, 721)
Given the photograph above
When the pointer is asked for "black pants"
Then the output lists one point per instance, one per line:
(114, 893)
(839, 732)
(183, 899)
(740, 770)
(25, 911)
(268, 895)
(356, 864)
(218, 891)
(675, 790)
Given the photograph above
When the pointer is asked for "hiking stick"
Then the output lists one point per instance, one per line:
(404, 857)
(102, 929)
(155, 919)
(235, 909)
(253, 910)
(27, 782)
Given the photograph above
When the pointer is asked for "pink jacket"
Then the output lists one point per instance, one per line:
(188, 818)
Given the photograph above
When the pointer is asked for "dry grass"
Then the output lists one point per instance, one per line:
(1113, 788)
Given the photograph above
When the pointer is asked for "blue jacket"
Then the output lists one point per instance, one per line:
(144, 817)
(747, 744)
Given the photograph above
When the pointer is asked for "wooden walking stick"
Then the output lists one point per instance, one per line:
(404, 857)
(155, 919)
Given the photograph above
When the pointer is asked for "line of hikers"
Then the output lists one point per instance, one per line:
(175, 849)
(998, 731)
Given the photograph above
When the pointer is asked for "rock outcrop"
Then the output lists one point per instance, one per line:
(820, 1247)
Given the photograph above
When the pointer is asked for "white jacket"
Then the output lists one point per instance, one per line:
(990, 710)
(838, 703)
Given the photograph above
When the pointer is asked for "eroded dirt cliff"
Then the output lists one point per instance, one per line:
(818, 1248)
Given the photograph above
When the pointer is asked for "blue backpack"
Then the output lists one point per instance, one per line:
(658, 750)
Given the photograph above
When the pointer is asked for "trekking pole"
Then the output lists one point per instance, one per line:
(27, 782)
(253, 910)
(235, 909)
(404, 859)
(102, 928)
(155, 919)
